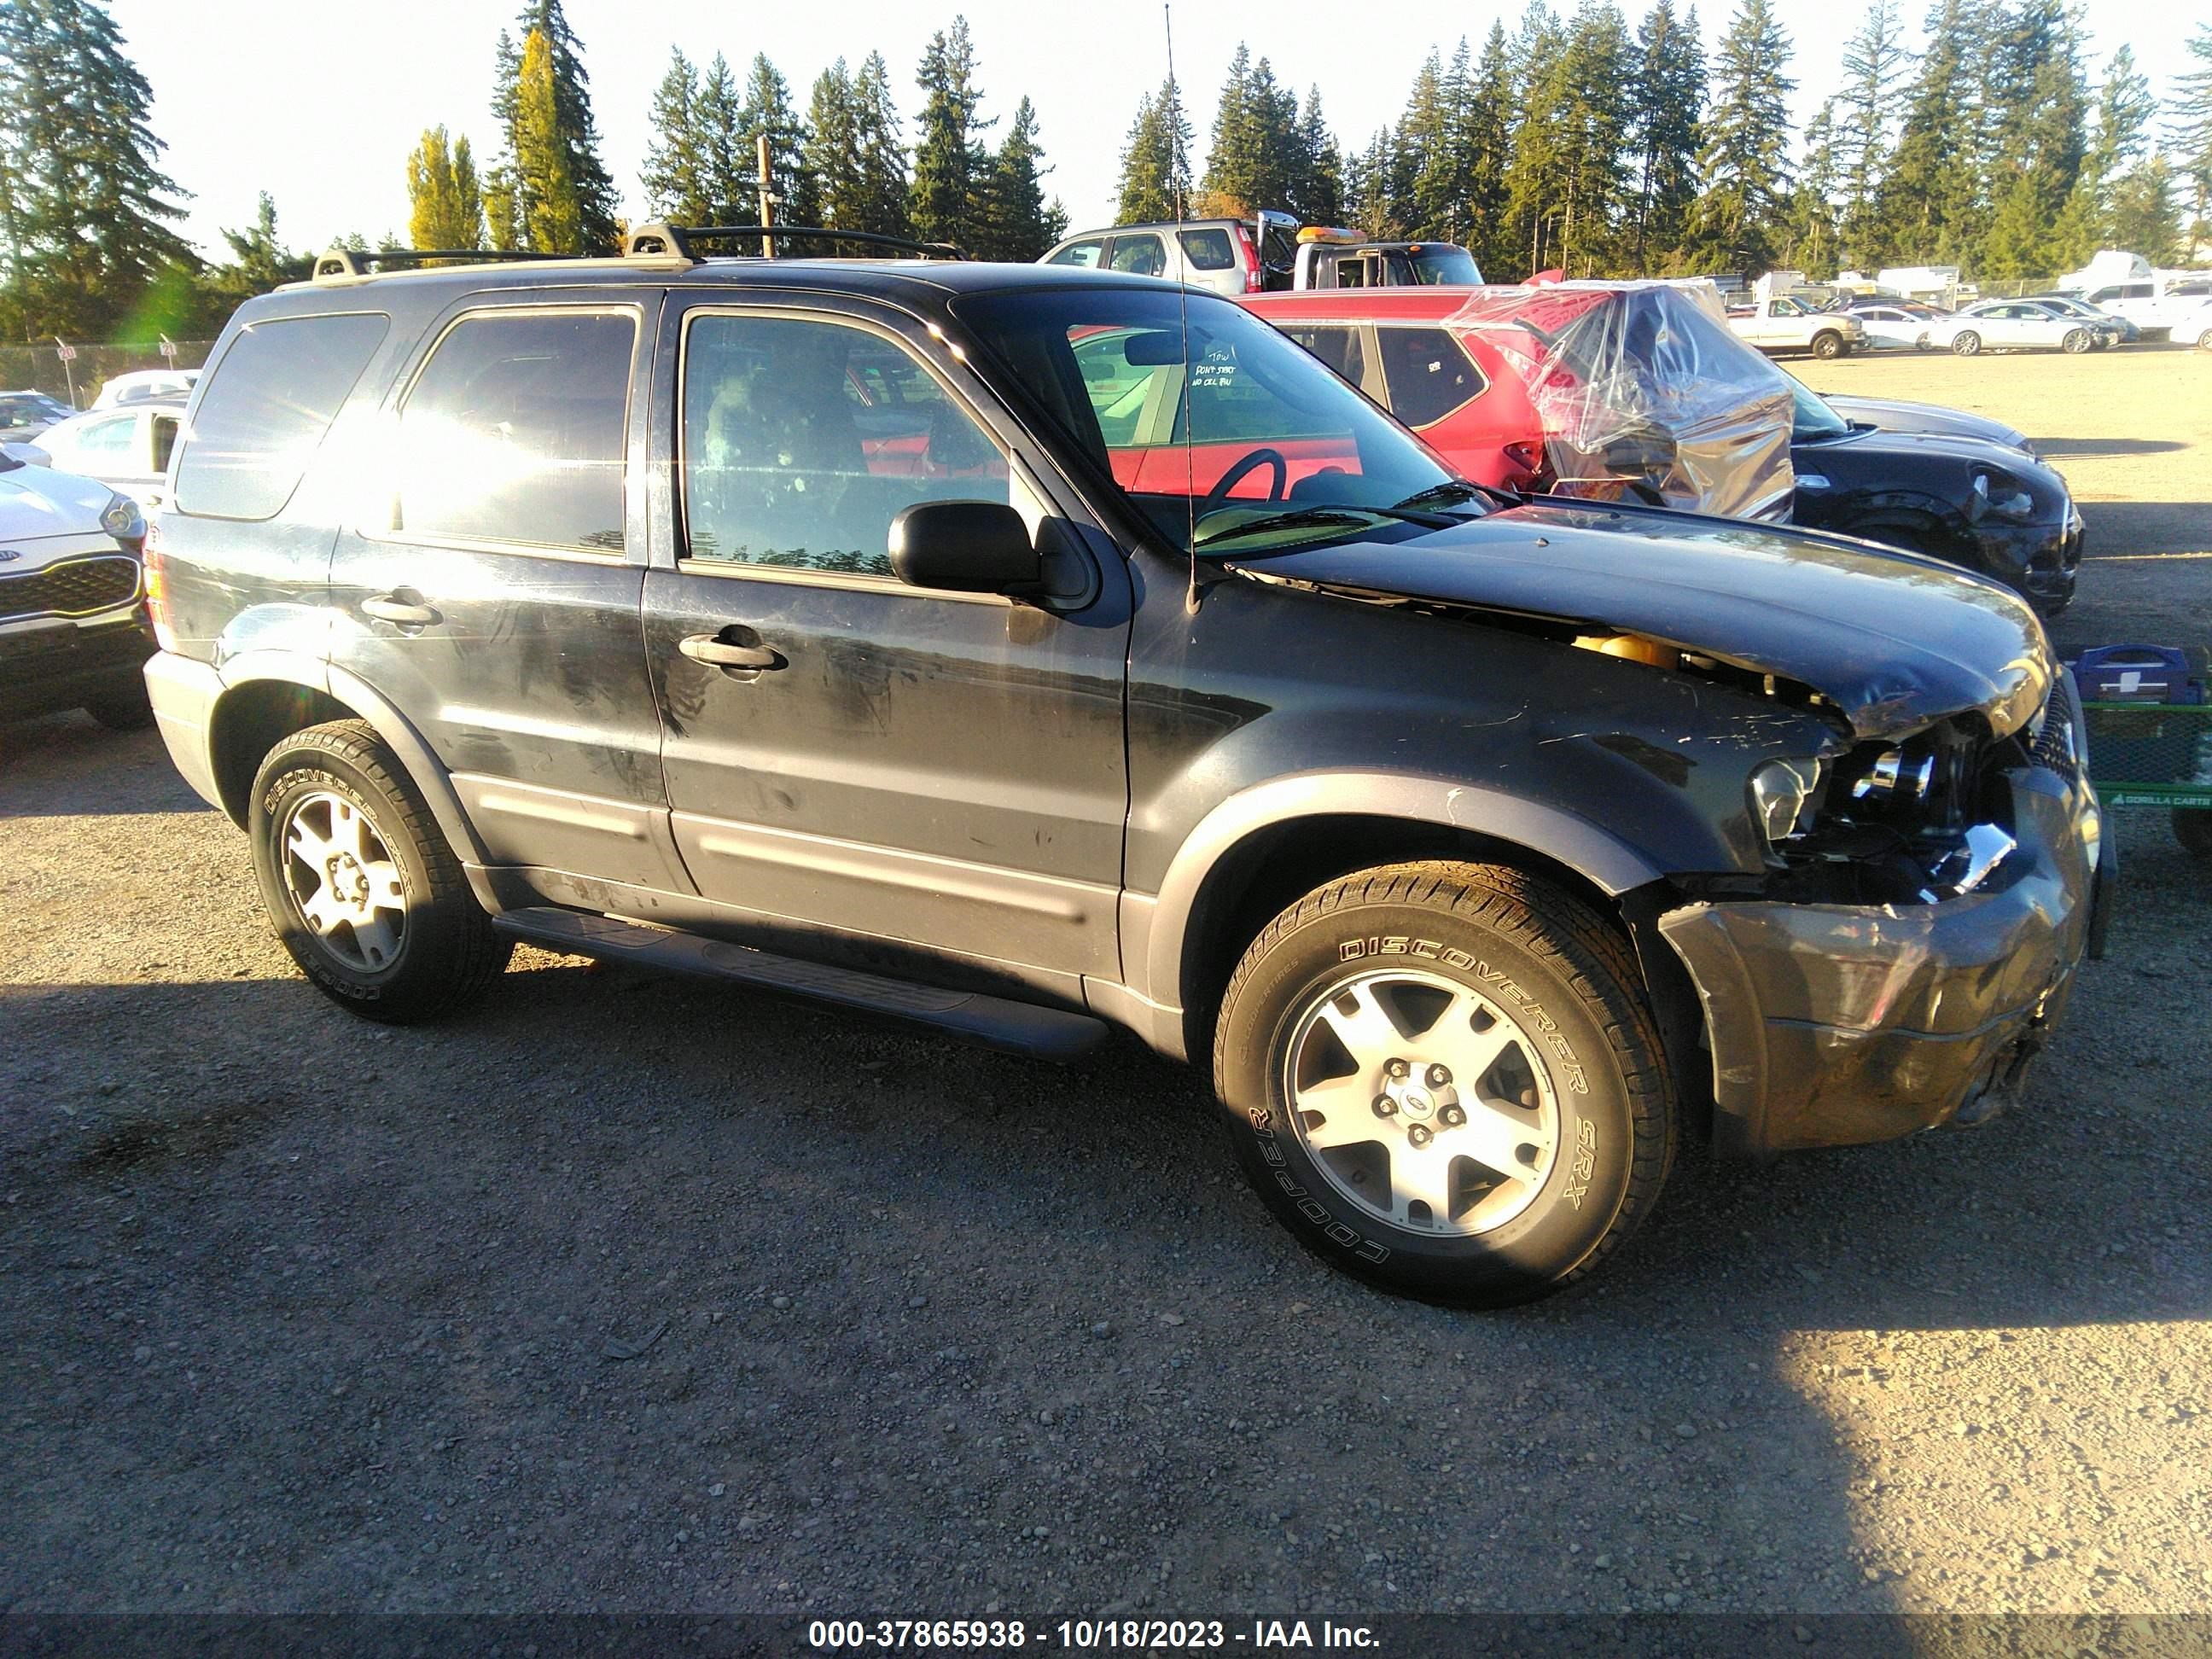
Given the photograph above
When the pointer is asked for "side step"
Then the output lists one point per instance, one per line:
(1018, 1028)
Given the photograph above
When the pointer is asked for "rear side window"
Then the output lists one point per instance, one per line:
(515, 431)
(264, 412)
(1207, 250)
(1140, 256)
(1428, 373)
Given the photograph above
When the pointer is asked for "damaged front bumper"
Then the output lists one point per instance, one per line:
(1832, 1025)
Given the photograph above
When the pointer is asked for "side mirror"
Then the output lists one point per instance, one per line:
(965, 547)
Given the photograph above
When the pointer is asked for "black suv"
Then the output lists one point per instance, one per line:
(817, 625)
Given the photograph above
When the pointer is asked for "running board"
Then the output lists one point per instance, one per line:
(1018, 1028)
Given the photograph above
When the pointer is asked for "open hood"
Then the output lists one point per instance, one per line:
(1895, 641)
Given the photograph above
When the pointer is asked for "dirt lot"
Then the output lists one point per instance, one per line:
(297, 1313)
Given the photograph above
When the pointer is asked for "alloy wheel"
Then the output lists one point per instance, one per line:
(343, 882)
(1421, 1100)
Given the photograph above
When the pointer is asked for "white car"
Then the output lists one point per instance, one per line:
(2012, 325)
(2192, 324)
(125, 447)
(73, 631)
(1892, 328)
(140, 384)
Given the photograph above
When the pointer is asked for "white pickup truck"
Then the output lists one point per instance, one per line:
(1782, 325)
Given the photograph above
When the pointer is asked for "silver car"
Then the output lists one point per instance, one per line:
(1232, 257)
(125, 447)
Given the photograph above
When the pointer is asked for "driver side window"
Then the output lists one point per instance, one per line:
(803, 439)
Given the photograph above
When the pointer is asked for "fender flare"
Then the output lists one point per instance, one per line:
(393, 729)
(1599, 857)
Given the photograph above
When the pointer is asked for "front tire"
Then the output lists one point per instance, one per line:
(2077, 341)
(360, 885)
(1827, 344)
(1967, 344)
(1443, 1079)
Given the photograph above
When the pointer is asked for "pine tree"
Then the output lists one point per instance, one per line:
(673, 178)
(1812, 230)
(1597, 76)
(831, 157)
(563, 136)
(86, 204)
(884, 198)
(2141, 213)
(2037, 99)
(1425, 138)
(554, 223)
(1255, 141)
(1745, 161)
(444, 208)
(1666, 133)
(950, 165)
(2190, 118)
(1156, 160)
(1926, 208)
(259, 262)
(1868, 110)
(1317, 195)
(727, 151)
(1534, 55)
(2117, 157)
(1018, 225)
(1487, 137)
(1370, 195)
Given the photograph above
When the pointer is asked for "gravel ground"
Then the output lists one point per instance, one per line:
(627, 1294)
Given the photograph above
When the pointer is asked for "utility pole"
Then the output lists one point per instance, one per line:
(767, 197)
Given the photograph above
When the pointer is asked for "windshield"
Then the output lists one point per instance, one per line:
(1271, 434)
(1813, 421)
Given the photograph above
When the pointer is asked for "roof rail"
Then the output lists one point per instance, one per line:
(335, 261)
(664, 239)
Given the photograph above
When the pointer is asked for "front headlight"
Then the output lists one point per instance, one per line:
(122, 520)
(1781, 792)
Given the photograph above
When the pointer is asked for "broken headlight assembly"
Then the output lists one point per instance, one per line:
(1908, 823)
(2000, 496)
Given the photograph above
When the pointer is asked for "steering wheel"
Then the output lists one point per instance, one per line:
(1217, 497)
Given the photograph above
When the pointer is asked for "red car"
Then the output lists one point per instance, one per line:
(1453, 385)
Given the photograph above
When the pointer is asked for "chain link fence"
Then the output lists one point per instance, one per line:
(41, 368)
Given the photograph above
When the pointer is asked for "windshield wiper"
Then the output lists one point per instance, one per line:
(1457, 489)
(1298, 518)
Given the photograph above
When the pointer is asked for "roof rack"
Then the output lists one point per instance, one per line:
(664, 239)
(358, 261)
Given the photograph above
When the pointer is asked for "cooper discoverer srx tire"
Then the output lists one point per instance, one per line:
(360, 884)
(1444, 1078)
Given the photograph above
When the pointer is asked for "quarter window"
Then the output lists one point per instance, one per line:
(802, 441)
(274, 391)
(1428, 373)
(515, 431)
(1207, 250)
(1339, 347)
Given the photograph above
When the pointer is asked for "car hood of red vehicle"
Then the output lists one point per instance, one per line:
(1895, 641)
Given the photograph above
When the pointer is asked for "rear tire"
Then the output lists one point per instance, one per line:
(1530, 1121)
(360, 884)
(1967, 344)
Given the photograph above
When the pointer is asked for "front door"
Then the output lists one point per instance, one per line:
(920, 780)
(491, 588)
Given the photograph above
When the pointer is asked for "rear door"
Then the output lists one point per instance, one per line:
(490, 586)
(925, 780)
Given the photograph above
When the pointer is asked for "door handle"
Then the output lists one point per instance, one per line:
(390, 607)
(746, 653)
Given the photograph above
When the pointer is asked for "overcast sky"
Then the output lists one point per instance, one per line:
(319, 103)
